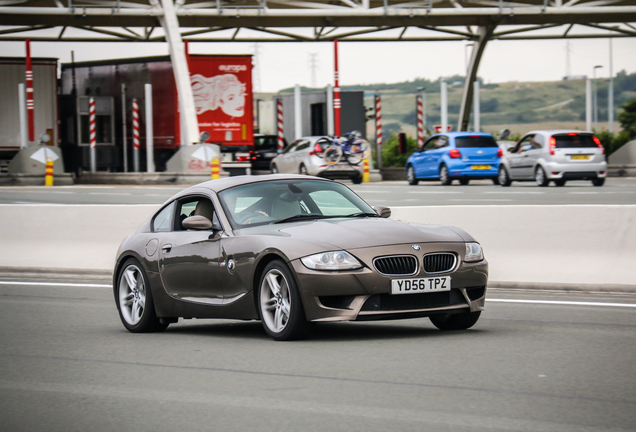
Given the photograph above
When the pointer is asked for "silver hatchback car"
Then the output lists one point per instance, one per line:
(304, 156)
(555, 155)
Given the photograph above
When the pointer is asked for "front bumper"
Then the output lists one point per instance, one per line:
(365, 294)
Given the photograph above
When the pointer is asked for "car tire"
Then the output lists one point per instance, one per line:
(540, 178)
(444, 176)
(357, 180)
(503, 177)
(598, 182)
(460, 321)
(302, 169)
(560, 183)
(410, 176)
(495, 181)
(279, 304)
(134, 299)
(274, 169)
(464, 182)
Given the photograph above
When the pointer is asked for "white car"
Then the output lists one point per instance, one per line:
(304, 156)
(554, 155)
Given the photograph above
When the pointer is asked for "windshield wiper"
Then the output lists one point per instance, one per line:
(361, 214)
(301, 217)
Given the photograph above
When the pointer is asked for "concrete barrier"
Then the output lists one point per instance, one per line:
(525, 245)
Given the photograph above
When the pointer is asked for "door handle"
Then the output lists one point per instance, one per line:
(166, 248)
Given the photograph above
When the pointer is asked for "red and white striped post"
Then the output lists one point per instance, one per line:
(378, 128)
(420, 121)
(135, 135)
(93, 135)
(336, 91)
(29, 91)
(279, 116)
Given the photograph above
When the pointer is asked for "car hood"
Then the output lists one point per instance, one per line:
(362, 232)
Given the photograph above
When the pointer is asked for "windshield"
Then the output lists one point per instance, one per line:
(281, 200)
(475, 141)
(575, 140)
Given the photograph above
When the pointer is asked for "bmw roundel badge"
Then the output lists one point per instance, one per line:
(415, 247)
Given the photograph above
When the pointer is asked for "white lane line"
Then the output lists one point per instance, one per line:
(435, 192)
(108, 193)
(583, 193)
(567, 303)
(481, 200)
(61, 284)
(515, 192)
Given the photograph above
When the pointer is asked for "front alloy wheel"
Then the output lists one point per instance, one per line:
(134, 300)
(279, 304)
(540, 177)
(503, 177)
(410, 176)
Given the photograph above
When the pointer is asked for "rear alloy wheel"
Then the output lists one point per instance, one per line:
(503, 177)
(598, 182)
(559, 183)
(460, 321)
(134, 300)
(463, 182)
(540, 177)
(410, 176)
(303, 169)
(444, 177)
(279, 304)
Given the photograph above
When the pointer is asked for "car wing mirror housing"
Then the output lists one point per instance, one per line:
(382, 211)
(197, 222)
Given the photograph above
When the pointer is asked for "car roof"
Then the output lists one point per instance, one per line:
(464, 133)
(229, 182)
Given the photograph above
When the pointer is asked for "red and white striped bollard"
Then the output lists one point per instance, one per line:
(29, 91)
(420, 121)
(279, 116)
(135, 135)
(93, 135)
(378, 129)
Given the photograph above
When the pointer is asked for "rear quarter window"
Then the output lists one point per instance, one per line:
(575, 141)
(476, 141)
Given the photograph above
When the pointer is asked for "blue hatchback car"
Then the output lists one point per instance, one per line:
(455, 156)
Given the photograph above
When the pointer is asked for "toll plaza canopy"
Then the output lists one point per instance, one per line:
(478, 21)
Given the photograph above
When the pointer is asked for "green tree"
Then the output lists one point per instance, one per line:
(391, 156)
(627, 118)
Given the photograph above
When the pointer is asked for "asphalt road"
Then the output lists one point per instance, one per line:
(617, 191)
(534, 362)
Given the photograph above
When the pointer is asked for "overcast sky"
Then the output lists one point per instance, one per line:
(286, 64)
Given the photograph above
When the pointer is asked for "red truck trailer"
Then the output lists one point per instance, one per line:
(222, 87)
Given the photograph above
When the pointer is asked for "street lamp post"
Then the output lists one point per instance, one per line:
(595, 111)
(610, 92)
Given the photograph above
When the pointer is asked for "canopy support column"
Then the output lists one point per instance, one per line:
(188, 113)
(485, 34)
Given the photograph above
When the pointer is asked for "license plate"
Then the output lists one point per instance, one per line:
(580, 157)
(420, 285)
(270, 155)
(481, 167)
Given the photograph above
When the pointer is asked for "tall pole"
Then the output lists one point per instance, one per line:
(150, 153)
(476, 110)
(378, 129)
(298, 115)
(23, 115)
(420, 120)
(123, 126)
(93, 135)
(135, 135)
(610, 91)
(29, 89)
(279, 117)
(330, 119)
(336, 91)
(595, 96)
(444, 107)
(588, 104)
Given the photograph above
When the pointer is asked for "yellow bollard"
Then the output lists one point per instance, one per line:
(48, 176)
(365, 175)
(216, 168)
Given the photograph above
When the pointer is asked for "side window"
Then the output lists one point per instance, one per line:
(539, 141)
(442, 141)
(302, 145)
(525, 144)
(430, 144)
(291, 148)
(163, 220)
(194, 206)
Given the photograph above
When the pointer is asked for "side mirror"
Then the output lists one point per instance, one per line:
(503, 134)
(511, 149)
(197, 222)
(382, 211)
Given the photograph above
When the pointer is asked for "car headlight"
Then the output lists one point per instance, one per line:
(474, 252)
(336, 260)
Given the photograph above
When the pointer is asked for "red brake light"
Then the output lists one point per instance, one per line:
(454, 154)
(499, 152)
(242, 159)
(552, 145)
(572, 134)
(599, 144)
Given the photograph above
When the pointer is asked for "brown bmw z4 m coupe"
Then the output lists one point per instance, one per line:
(292, 251)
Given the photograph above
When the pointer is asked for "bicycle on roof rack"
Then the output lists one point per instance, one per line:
(351, 147)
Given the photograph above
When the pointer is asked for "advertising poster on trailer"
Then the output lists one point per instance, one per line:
(222, 87)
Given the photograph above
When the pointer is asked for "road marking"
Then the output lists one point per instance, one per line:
(60, 284)
(566, 303)
(515, 192)
(583, 193)
(435, 192)
(108, 193)
(481, 200)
